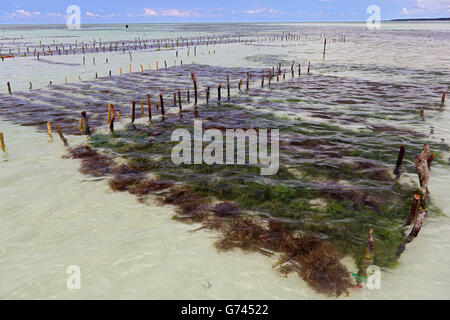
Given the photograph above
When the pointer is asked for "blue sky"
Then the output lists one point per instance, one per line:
(133, 11)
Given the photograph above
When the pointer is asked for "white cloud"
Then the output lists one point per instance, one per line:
(23, 13)
(262, 11)
(170, 13)
(428, 7)
(90, 14)
(150, 12)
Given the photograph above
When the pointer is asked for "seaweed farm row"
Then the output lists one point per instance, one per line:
(348, 148)
(18, 49)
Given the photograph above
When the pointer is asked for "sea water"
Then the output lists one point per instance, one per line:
(52, 217)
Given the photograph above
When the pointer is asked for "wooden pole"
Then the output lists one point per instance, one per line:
(219, 88)
(179, 100)
(9, 87)
(194, 80)
(412, 213)
(162, 104)
(113, 116)
(246, 83)
(401, 153)
(61, 136)
(324, 48)
(49, 130)
(228, 88)
(149, 108)
(133, 110)
(85, 123)
(443, 99)
(2, 142)
(309, 67)
(108, 118)
(417, 226)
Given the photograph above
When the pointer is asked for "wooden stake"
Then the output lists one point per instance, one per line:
(417, 226)
(133, 110)
(324, 48)
(309, 67)
(111, 122)
(179, 100)
(142, 108)
(422, 171)
(412, 213)
(219, 88)
(194, 80)
(443, 99)
(61, 136)
(9, 87)
(85, 123)
(2, 142)
(149, 108)
(49, 130)
(108, 118)
(162, 104)
(228, 88)
(246, 83)
(401, 153)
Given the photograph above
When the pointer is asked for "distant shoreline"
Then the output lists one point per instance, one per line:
(422, 19)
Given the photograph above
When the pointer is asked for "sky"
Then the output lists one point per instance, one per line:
(150, 11)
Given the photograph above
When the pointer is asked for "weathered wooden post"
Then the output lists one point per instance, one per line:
(61, 136)
(401, 153)
(2, 142)
(194, 80)
(149, 108)
(228, 88)
(162, 104)
(412, 213)
(133, 110)
(85, 123)
(417, 226)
